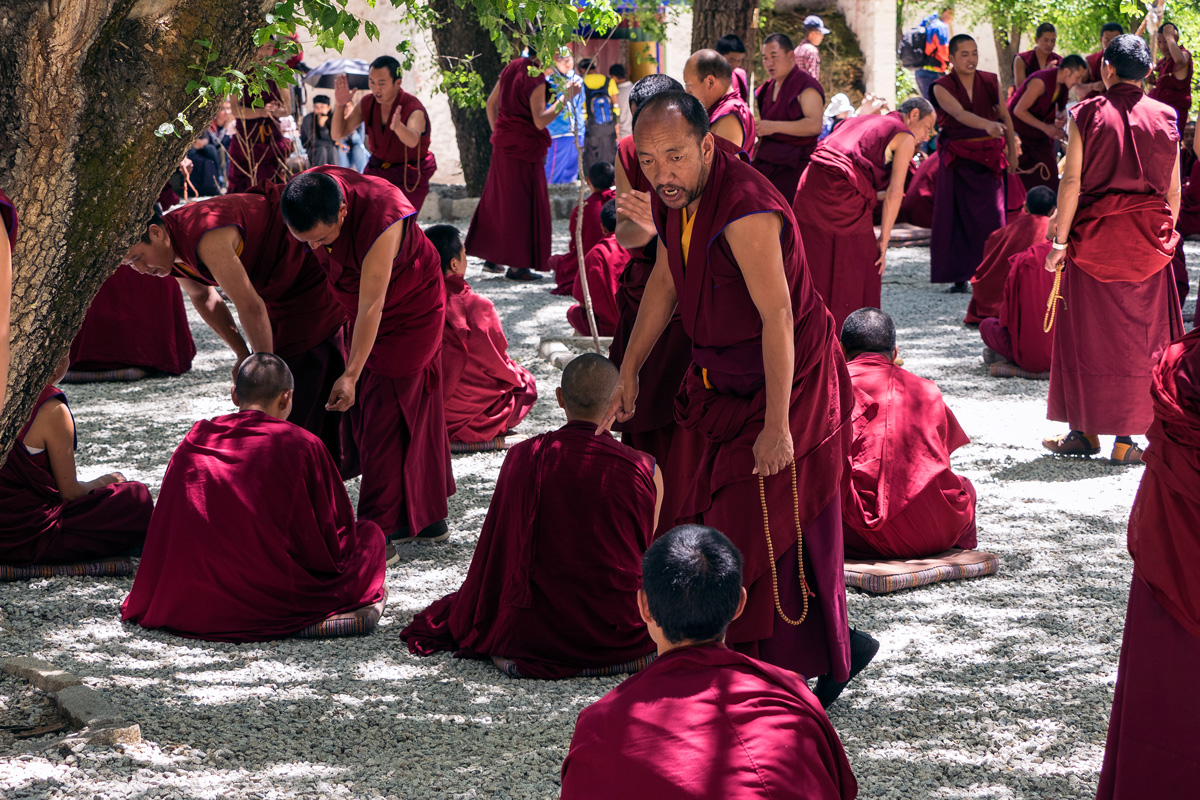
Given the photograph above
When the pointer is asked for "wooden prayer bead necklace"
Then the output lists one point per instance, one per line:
(762, 496)
(1055, 296)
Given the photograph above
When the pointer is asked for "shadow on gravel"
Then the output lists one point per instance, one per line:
(1049, 468)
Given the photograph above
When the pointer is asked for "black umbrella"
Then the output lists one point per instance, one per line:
(323, 75)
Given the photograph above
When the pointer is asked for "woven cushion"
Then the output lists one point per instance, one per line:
(882, 576)
(499, 443)
(1004, 369)
(358, 622)
(105, 567)
(907, 236)
(509, 668)
(101, 376)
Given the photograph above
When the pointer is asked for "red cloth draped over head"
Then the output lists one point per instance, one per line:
(485, 392)
(253, 537)
(410, 331)
(1023, 308)
(987, 287)
(515, 134)
(707, 723)
(782, 148)
(1164, 527)
(734, 103)
(1175, 92)
(8, 216)
(980, 103)
(1032, 65)
(554, 579)
(282, 271)
(1049, 104)
(566, 265)
(604, 263)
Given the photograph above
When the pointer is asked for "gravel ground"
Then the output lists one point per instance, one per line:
(991, 688)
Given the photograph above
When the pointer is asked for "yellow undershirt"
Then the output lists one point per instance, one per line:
(686, 238)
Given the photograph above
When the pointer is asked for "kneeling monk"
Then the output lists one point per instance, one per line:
(49, 516)
(253, 537)
(552, 588)
(904, 500)
(703, 720)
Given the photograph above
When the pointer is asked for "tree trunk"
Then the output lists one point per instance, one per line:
(1008, 44)
(87, 84)
(459, 34)
(712, 19)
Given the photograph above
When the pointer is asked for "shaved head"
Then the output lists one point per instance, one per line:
(588, 384)
(708, 63)
(868, 330)
(261, 380)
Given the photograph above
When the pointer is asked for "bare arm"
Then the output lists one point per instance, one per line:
(5, 311)
(635, 225)
(658, 495)
(1018, 71)
(248, 112)
(951, 106)
(215, 313)
(410, 132)
(54, 430)
(902, 148)
(1068, 194)
(493, 105)
(1174, 192)
(544, 114)
(809, 125)
(1032, 92)
(1010, 135)
(343, 124)
(729, 128)
(218, 251)
(1178, 57)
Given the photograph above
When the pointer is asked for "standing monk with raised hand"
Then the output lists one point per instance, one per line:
(768, 389)
(970, 199)
(1117, 207)
(791, 107)
(1173, 75)
(398, 129)
(387, 276)
(708, 77)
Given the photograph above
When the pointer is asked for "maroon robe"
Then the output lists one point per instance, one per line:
(604, 263)
(917, 207)
(566, 265)
(742, 83)
(969, 202)
(408, 169)
(726, 331)
(1175, 92)
(987, 286)
(706, 723)
(781, 157)
(1037, 163)
(398, 418)
(135, 321)
(259, 151)
(1094, 61)
(553, 583)
(1033, 64)
(1018, 331)
(512, 225)
(1156, 711)
(253, 537)
(486, 393)
(733, 103)
(834, 206)
(1121, 309)
(37, 526)
(904, 500)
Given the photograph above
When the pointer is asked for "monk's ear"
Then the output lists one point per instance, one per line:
(558, 395)
(741, 604)
(644, 607)
(234, 397)
(708, 146)
(895, 355)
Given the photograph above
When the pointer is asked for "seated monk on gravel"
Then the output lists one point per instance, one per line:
(904, 500)
(552, 587)
(253, 537)
(485, 392)
(49, 516)
(604, 264)
(1017, 334)
(1019, 234)
(703, 721)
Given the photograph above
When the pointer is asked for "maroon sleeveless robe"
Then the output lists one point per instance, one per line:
(407, 168)
(1121, 308)
(1175, 92)
(834, 206)
(1036, 147)
(603, 265)
(726, 331)
(732, 103)
(512, 225)
(781, 157)
(1032, 64)
(1094, 60)
(259, 151)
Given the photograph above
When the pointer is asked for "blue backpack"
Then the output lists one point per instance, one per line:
(599, 105)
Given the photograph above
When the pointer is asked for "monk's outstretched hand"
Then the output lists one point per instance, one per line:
(635, 206)
(773, 452)
(881, 260)
(342, 395)
(341, 90)
(621, 406)
(1054, 260)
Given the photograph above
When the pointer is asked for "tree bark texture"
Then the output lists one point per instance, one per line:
(87, 84)
(459, 34)
(712, 19)
(1008, 44)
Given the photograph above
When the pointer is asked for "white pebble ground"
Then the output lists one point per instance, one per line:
(992, 688)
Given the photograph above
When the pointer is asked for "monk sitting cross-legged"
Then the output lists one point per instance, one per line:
(566, 265)
(603, 265)
(253, 537)
(49, 516)
(904, 500)
(703, 721)
(485, 392)
(552, 588)
(1021, 233)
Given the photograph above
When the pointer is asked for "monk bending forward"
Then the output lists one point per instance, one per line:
(552, 588)
(253, 537)
(768, 388)
(703, 721)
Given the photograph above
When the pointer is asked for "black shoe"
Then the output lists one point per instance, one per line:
(437, 532)
(488, 266)
(522, 274)
(959, 287)
(862, 649)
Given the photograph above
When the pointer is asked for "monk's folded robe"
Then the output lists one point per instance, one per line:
(1037, 164)
(553, 583)
(969, 198)
(37, 526)
(398, 419)
(834, 205)
(511, 225)
(135, 321)
(987, 286)
(706, 723)
(1018, 332)
(603, 264)
(407, 168)
(253, 537)
(733, 103)
(259, 151)
(1121, 308)
(1174, 92)
(904, 501)
(306, 322)
(1156, 712)
(781, 156)
(724, 398)
(486, 393)
(566, 265)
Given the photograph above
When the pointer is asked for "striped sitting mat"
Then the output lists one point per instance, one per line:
(1004, 369)
(102, 376)
(905, 235)
(103, 568)
(883, 576)
(358, 622)
(629, 667)
(493, 445)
